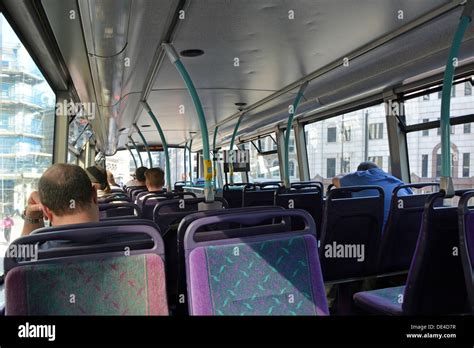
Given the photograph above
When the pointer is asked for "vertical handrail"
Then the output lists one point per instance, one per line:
(190, 161)
(184, 159)
(231, 147)
(446, 180)
(131, 153)
(289, 126)
(174, 58)
(145, 143)
(214, 156)
(163, 141)
(136, 149)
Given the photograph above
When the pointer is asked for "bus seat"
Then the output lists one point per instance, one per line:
(401, 230)
(89, 278)
(256, 196)
(272, 274)
(351, 225)
(466, 241)
(309, 199)
(114, 209)
(233, 193)
(150, 200)
(435, 283)
(171, 211)
(206, 233)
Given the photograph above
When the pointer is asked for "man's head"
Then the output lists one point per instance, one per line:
(66, 190)
(98, 177)
(140, 175)
(155, 179)
(366, 166)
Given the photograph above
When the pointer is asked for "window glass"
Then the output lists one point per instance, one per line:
(337, 145)
(424, 147)
(27, 105)
(122, 165)
(419, 108)
(264, 167)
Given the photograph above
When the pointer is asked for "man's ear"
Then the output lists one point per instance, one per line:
(47, 213)
(94, 194)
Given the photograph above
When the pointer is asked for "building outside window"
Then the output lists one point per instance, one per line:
(375, 131)
(466, 164)
(424, 166)
(331, 167)
(426, 132)
(27, 105)
(332, 135)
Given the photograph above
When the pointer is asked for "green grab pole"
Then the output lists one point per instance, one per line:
(131, 153)
(145, 143)
(231, 147)
(446, 180)
(163, 141)
(208, 186)
(289, 126)
(136, 149)
(214, 155)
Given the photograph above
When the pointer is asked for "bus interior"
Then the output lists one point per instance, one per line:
(250, 108)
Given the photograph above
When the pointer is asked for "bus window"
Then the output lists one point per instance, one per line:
(26, 130)
(264, 165)
(79, 132)
(293, 159)
(425, 145)
(176, 164)
(337, 145)
(121, 165)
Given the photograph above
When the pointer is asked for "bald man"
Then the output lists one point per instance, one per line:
(65, 196)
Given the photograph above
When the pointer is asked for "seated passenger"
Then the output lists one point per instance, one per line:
(65, 196)
(98, 177)
(139, 178)
(111, 181)
(369, 174)
(155, 179)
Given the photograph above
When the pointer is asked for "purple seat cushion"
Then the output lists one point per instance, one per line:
(132, 285)
(273, 277)
(386, 301)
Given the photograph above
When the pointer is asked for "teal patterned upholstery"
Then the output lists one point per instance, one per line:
(382, 301)
(272, 277)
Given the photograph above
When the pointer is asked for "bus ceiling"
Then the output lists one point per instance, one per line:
(259, 54)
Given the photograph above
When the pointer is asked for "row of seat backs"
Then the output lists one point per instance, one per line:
(260, 272)
(119, 208)
(302, 195)
(52, 273)
(245, 194)
(149, 201)
(437, 282)
(355, 225)
(106, 268)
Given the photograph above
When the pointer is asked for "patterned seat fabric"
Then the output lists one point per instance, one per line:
(386, 301)
(273, 277)
(133, 285)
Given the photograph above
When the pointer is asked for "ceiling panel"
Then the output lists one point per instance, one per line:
(273, 50)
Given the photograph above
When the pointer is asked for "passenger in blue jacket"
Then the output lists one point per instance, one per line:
(369, 174)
